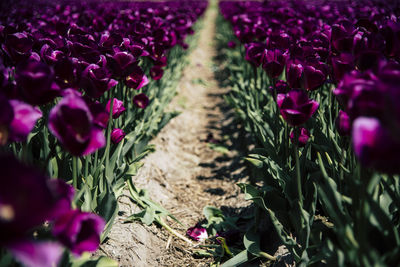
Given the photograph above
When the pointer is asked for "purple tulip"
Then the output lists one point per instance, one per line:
(343, 123)
(294, 72)
(117, 135)
(35, 80)
(27, 199)
(118, 108)
(274, 62)
(137, 79)
(341, 65)
(231, 44)
(97, 80)
(122, 64)
(141, 100)
(35, 254)
(197, 233)
(376, 146)
(72, 123)
(255, 53)
(295, 107)
(303, 137)
(100, 115)
(18, 46)
(156, 73)
(25, 117)
(79, 231)
(315, 74)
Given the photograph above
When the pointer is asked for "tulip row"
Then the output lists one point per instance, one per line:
(325, 76)
(77, 102)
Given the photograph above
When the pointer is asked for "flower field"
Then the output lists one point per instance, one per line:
(294, 103)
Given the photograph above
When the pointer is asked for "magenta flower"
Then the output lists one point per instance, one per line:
(295, 107)
(117, 135)
(315, 74)
(122, 64)
(35, 254)
(294, 72)
(156, 73)
(72, 123)
(6, 117)
(141, 100)
(118, 108)
(137, 79)
(343, 123)
(197, 233)
(303, 137)
(341, 65)
(25, 117)
(97, 80)
(79, 231)
(255, 53)
(231, 44)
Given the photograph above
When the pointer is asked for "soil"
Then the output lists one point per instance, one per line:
(184, 174)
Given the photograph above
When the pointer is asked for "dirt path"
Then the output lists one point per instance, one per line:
(184, 174)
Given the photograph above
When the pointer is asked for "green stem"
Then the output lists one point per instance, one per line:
(75, 172)
(298, 173)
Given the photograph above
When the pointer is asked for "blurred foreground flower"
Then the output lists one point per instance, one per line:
(79, 231)
(197, 233)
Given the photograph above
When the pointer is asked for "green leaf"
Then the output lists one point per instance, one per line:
(240, 258)
(219, 148)
(251, 241)
(86, 261)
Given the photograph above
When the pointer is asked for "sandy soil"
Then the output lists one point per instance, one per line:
(185, 174)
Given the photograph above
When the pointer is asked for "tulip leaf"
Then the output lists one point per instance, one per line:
(238, 259)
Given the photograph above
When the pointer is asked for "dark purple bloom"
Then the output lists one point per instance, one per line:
(274, 62)
(96, 80)
(72, 123)
(197, 233)
(315, 74)
(117, 135)
(255, 53)
(118, 108)
(25, 117)
(231, 44)
(294, 72)
(295, 107)
(99, 113)
(79, 231)
(122, 64)
(18, 46)
(281, 87)
(36, 82)
(343, 123)
(156, 73)
(303, 137)
(27, 199)
(137, 79)
(375, 145)
(141, 100)
(341, 65)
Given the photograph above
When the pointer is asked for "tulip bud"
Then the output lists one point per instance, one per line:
(117, 135)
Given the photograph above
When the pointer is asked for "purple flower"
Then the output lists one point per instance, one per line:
(79, 231)
(118, 108)
(375, 145)
(117, 135)
(25, 117)
(341, 65)
(137, 79)
(255, 53)
(141, 100)
(274, 62)
(295, 107)
(231, 44)
(156, 73)
(18, 46)
(36, 82)
(343, 123)
(303, 137)
(96, 80)
(72, 123)
(27, 199)
(197, 233)
(35, 254)
(315, 74)
(122, 64)
(294, 72)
